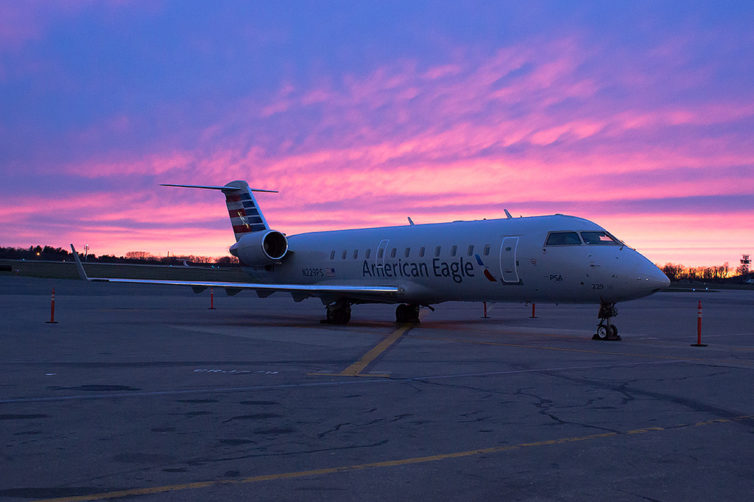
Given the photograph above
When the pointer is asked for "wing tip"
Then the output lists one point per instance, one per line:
(79, 265)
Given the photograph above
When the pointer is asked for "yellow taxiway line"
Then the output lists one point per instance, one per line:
(356, 369)
(367, 359)
(387, 463)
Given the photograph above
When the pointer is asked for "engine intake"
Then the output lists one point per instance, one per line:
(260, 248)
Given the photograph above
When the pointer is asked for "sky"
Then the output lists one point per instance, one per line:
(636, 115)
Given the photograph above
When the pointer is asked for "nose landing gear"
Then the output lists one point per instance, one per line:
(606, 330)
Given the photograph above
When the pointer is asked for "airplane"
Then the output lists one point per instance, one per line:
(540, 259)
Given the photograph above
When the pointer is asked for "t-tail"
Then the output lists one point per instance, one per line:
(245, 216)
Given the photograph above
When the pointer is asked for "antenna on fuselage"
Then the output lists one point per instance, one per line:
(410, 221)
(507, 214)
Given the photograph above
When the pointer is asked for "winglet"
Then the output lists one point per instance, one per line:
(79, 266)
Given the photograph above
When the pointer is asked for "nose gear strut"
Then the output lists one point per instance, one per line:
(606, 330)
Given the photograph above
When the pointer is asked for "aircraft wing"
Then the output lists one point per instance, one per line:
(234, 287)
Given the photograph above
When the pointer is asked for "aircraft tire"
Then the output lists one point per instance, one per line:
(401, 313)
(612, 333)
(407, 313)
(601, 333)
(339, 315)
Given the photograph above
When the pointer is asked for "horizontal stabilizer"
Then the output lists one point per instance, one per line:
(79, 266)
(213, 187)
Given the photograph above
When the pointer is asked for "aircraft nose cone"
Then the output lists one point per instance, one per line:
(656, 279)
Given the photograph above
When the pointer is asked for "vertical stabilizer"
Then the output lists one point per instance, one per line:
(245, 216)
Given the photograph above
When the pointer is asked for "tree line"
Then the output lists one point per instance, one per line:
(677, 272)
(137, 257)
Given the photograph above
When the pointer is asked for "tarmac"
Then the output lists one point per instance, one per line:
(143, 392)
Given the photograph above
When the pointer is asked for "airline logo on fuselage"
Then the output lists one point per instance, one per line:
(457, 270)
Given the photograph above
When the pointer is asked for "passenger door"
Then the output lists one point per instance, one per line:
(509, 260)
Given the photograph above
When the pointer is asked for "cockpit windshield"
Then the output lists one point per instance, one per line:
(563, 239)
(600, 239)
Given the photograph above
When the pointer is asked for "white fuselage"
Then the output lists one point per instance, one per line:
(485, 260)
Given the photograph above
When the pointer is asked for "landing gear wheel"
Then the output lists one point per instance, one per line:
(601, 333)
(338, 313)
(606, 330)
(339, 316)
(612, 332)
(407, 313)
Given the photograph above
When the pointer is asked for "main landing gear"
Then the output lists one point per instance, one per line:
(606, 330)
(338, 312)
(407, 313)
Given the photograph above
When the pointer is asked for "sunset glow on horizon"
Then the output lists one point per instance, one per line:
(636, 116)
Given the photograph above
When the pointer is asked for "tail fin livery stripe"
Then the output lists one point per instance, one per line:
(232, 206)
(245, 220)
(244, 229)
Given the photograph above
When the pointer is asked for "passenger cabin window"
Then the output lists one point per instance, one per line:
(437, 251)
(453, 250)
(355, 254)
(563, 239)
(380, 253)
(486, 250)
(600, 239)
(392, 252)
(471, 250)
(421, 252)
(367, 253)
(345, 253)
(332, 254)
(407, 252)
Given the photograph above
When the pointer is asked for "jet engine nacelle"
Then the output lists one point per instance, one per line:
(260, 248)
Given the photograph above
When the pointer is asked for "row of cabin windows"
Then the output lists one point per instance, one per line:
(407, 252)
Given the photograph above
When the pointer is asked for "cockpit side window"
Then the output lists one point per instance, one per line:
(563, 239)
(600, 239)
